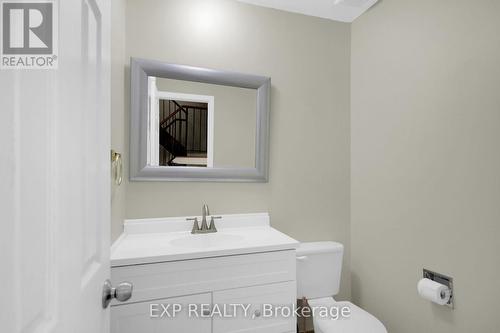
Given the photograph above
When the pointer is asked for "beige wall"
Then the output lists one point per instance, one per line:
(426, 162)
(308, 191)
(118, 104)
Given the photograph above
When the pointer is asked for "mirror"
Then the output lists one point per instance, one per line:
(190, 123)
(201, 125)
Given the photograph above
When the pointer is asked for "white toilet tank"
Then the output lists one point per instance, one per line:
(319, 265)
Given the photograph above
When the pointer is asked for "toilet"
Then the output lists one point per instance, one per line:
(319, 265)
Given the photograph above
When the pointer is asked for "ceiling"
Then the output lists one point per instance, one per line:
(337, 10)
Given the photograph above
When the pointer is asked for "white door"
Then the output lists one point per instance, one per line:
(54, 187)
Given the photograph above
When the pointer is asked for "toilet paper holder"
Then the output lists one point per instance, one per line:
(443, 279)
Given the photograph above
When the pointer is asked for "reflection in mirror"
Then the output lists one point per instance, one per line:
(183, 133)
(196, 124)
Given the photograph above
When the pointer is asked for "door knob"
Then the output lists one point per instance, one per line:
(122, 293)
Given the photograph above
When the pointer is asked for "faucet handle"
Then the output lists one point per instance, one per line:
(196, 226)
(212, 223)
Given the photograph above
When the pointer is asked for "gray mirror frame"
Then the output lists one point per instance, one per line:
(139, 169)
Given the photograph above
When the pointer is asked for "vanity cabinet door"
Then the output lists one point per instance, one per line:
(255, 320)
(149, 317)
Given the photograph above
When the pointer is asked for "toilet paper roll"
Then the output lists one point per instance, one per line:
(434, 291)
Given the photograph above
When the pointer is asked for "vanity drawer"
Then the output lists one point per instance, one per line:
(139, 318)
(176, 278)
(256, 319)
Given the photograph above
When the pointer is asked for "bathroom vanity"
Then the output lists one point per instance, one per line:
(207, 278)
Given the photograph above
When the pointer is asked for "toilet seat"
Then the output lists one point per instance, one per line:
(359, 320)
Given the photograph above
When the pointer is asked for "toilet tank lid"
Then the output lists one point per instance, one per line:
(319, 247)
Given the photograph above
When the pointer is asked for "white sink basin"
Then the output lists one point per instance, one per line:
(169, 239)
(206, 240)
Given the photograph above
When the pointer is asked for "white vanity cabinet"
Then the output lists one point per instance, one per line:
(136, 317)
(274, 294)
(246, 263)
(251, 280)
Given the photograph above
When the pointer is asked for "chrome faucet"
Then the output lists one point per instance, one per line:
(204, 229)
(204, 213)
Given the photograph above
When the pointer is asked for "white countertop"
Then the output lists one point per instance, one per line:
(169, 239)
